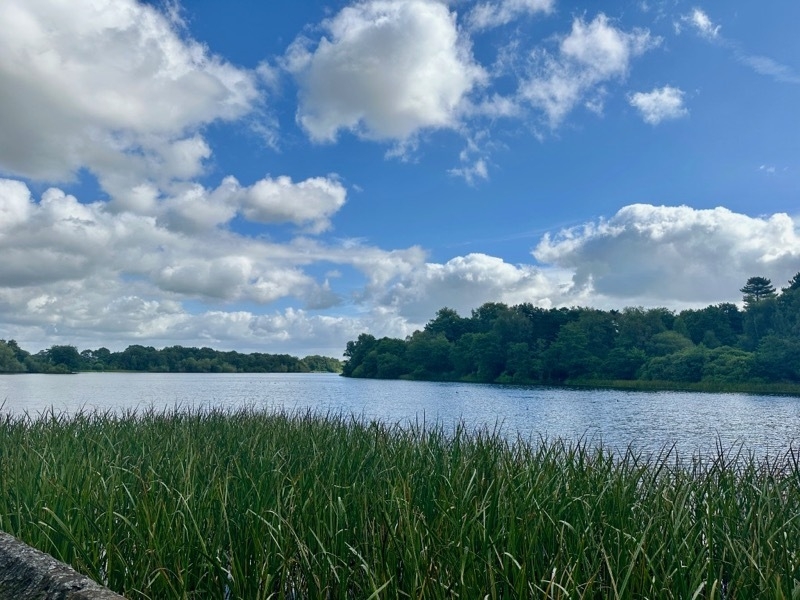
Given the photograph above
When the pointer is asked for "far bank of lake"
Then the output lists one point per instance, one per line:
(650, 421)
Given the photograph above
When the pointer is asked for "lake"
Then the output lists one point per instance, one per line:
(649, 421)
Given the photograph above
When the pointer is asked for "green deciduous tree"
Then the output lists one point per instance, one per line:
(8, 359)
(68, 356)
(777, 359)
(581, 346)
(449, 323)
(636, 326)
(522, 364)
(667, 342)
(355, 353)
(718, 325)
(684, 366)
(322, 364)
(144, 358)
(428, 354)
(623, 363)
(728, 365)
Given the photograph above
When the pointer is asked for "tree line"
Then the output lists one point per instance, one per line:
(721, 343)
(173, 359)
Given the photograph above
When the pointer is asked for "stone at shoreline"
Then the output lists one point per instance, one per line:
(26, 573)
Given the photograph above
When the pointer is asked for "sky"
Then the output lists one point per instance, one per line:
(282, 176)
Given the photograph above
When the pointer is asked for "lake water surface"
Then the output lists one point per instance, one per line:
(649, 421)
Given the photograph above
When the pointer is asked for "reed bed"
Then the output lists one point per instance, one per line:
(645, 385)
(214, 504)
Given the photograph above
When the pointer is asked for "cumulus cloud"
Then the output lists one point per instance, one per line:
(73, 271)
(385, 69)
(108, 84)
(661, 104)
(486, 15)
(15, 204)
(72, 314)
(192, 208)
(674, 254)
(309, 203)
(466, 282)
(593, 53)
(59, 239)
(116, 87)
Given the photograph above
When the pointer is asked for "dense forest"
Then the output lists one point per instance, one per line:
(174, 359)
(720, 344)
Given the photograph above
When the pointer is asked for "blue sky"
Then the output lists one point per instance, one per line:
(282, 176)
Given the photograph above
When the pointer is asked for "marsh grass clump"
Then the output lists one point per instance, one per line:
(243, 504)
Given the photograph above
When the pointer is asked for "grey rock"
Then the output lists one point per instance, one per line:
(27, 574)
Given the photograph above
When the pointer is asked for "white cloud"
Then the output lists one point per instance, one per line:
(309, 203)
(661, 104)
(701, 22)
(466, 282)
(232, 278)
(494, 107)
(763, 65)
(77, 272)
(596, 102)
(192, 209)
(15, 204)
(108, 84)
(474, 158)
(471, 173)
(108, 315)
(117, 88)
(61, 239)
(181, 159)
(593, 53)
(486, 15)
(386, 70)
(74, 271)
(674, 254)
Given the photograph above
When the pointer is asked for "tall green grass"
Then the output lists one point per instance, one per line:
(208, 504)
(644, 385)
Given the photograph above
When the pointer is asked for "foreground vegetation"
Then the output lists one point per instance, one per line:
(211, 504)
(720, 347)
(173, 359)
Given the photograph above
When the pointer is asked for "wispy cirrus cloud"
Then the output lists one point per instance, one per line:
(699, 21)
(763, 65)
(486, 15)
